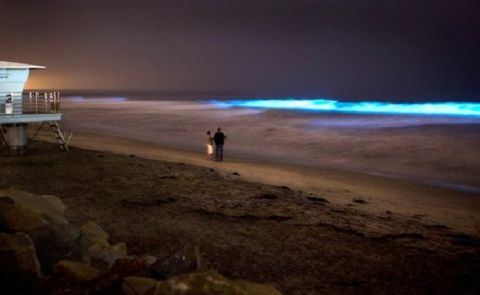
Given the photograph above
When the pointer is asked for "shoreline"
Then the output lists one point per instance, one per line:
(447, 206)
(399, 147)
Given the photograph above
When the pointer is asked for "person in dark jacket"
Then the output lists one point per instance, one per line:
(219, 139)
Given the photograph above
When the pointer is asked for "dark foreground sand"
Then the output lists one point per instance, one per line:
(301, 242)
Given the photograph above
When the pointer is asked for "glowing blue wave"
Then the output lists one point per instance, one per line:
(364, 107)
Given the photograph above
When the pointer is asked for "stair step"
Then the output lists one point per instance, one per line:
(59, 136)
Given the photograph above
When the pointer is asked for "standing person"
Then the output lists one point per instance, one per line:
(209, 143)
(219, 140)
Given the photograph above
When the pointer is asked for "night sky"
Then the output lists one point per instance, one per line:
(370, 49)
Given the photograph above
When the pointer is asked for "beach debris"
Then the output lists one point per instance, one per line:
(199, 283)
(267, 217)
(284, 187)
(404, 236)
(278, 218)
(436, 226)
(317, 200)
(418, 216)
(167, 177)
(20, 268)
(465, 240)
(359, 201)
(246, 216)
(266, 196)
(236, 173)
(147, 202)
(187, 259)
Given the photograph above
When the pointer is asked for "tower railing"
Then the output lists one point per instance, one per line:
(18, 103)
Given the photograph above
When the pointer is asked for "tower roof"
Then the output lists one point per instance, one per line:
(16, 65)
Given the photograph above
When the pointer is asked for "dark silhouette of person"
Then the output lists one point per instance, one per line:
(219, 139)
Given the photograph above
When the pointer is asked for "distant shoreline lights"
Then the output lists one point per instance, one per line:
(361, 107)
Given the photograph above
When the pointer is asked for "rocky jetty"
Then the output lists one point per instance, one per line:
(43, 253)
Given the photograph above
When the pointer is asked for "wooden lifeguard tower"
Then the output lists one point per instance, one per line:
(18, 109)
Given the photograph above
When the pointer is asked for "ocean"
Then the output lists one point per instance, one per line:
(429, 143)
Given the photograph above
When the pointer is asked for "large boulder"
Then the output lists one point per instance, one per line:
(201, 283)
(20, 271)
(42, 218)
(22, 211)
(15, 216)
(185, 260)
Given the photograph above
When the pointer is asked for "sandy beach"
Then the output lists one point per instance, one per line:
(306, 232)
(456, 209)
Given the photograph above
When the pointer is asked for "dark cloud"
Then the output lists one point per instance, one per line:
(376, 49)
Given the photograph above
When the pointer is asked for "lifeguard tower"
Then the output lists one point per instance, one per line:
(18, 109)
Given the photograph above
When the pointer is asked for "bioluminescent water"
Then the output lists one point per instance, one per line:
(361, 107)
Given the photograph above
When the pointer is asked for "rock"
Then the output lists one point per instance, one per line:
(42, 218)
(15, 217)
(149, 259)
(76, 272)
(124, 267)
(99, 252)
(257, 289)
(130, 265)
(91, 234)
(55, 242)
(139, 286)
(200, 283)
(104, 256)
(56, 203)
(20, 271)
(22, 211)
(187, 259)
